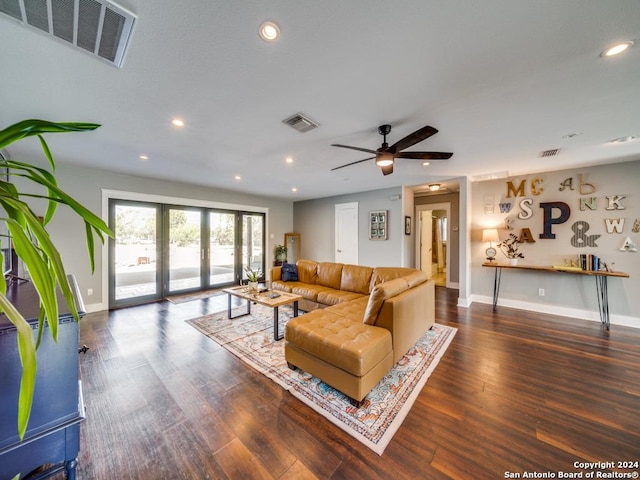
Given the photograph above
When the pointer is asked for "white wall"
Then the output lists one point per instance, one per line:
(86, 186)
(565, 294)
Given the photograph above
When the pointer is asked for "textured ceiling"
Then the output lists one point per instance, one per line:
(501, 80)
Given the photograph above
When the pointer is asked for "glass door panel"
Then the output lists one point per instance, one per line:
(134, 269)
(184, 249)
(252, 242)
(222, 235)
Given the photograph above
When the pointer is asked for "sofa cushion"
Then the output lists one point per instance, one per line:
(356, 278)
(353, 308)
(339, 340)
(289, 272)
(282, 286)
(307, 271)
(308, 291)
(333, 297)
(379, 294)
(330, 274)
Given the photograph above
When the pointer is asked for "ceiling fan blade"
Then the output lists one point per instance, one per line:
(425, 155)
(412, 139)
(387, 170)
(352, 163)
(353, 148)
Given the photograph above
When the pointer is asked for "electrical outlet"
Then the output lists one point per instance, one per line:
(541, 292)
(89, 291)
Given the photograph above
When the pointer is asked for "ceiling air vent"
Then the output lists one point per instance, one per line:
(550, 153)
(99, 27)
(300, 123)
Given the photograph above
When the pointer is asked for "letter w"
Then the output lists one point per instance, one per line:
(616, 224)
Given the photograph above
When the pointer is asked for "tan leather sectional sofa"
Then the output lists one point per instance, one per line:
(360, 321)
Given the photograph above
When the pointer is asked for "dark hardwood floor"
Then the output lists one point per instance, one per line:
(515, 392)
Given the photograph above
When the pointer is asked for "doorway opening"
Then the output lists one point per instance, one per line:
(432, 253)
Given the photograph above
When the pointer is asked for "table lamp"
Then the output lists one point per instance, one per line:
(490, 235)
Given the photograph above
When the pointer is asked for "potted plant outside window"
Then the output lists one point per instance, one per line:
(281, 255)
(33, 245)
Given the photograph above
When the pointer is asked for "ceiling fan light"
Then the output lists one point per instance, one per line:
(384, 159)
(434, 187)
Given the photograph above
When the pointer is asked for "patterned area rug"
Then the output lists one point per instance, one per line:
(375, 422)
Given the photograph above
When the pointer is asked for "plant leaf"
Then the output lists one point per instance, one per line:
(27, 352)
(28, 128)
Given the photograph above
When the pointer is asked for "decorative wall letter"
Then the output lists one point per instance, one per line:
(568, 183)
(526, 212)
(628, 246)
(505, 207)
(614, 202)
(489, 202)
(526, 236)
(548, 207)
(519, 192)
(508, 223)
(586, 188)
(589, 203)
(636, 226)
(536, 189)
(581, 239)
(616, 224)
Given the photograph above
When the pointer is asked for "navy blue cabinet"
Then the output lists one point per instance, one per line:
(52, 441)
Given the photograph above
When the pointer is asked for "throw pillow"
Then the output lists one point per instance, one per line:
(289, 272)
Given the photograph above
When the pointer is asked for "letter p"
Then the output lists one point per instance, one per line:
(550, 220)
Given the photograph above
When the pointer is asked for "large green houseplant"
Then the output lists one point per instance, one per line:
(33, 245)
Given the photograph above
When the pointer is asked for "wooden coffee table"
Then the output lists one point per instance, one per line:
(264, 298)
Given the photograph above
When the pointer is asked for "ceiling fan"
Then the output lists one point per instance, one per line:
(385, 155)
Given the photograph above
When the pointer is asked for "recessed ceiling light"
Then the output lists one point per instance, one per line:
(289, 160)
(178, 122)
(238, 177)
(294, 189)
(624, 139)
(144, 157)
(269, 31)
(425, 164)
(616, 49)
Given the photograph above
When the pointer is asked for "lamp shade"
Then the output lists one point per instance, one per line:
(490, 235)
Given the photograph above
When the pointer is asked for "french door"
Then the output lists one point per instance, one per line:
(161, 250)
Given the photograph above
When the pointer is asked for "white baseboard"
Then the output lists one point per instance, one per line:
(594, 316)
(464, 302)
(96, 307)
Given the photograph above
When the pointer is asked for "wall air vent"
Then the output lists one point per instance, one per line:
(99, 27)
(300, 122)
(549, 153)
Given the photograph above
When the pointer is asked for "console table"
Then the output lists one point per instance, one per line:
(599, 275)
(52, 441)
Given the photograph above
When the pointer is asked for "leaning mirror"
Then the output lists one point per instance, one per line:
(292, 242)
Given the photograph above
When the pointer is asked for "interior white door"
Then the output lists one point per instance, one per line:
(426, 242)
(346, 233)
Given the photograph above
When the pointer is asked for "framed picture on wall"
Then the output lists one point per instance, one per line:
(378, 224)
(407, 225)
